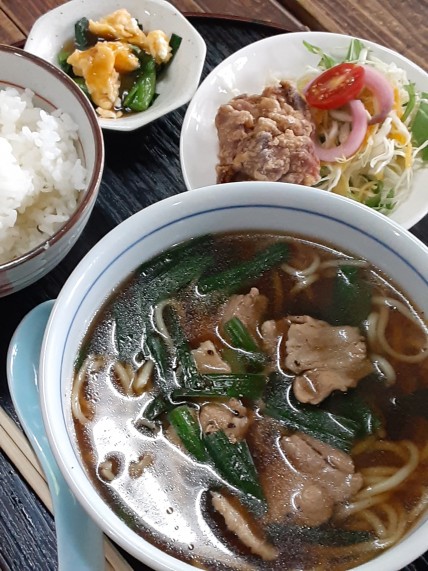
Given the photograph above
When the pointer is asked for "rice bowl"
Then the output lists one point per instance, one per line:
(52, 161)
(41, 174)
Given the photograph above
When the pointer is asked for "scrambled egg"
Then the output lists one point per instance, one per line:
(121, 26)
(102, 64)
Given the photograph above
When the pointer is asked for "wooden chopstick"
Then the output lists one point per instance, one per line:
(17, 448)
(32, 475)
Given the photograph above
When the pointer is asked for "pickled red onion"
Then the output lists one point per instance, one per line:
(354, 140)
(382, 91)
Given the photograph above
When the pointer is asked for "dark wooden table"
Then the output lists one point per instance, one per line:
(399, 24)
(143, 167)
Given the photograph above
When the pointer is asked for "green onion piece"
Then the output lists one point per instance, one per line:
(154, 348)
(353, 407)
(156, 407)
(239, 335)
(232, 279)
(175, 276)
(326, 535)
(174, 44)
(233, 359)
(234, 463)
(181, 347)
(246, 385)
(189, 431)
(81, 33)
(175, 256)
(351, 296)
(240, 338)
(338, 431)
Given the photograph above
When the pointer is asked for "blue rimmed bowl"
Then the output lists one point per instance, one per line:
(323, 217)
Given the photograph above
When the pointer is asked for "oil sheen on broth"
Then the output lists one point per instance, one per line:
(257, 401)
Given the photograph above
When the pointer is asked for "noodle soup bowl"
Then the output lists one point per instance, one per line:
(254, 206)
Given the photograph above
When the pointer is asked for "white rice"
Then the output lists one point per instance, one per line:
(41, 173)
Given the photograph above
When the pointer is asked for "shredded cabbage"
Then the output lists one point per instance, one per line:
(380, 173)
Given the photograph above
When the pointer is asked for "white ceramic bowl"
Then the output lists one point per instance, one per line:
(52, 30)
(262, 63)
(53, 90)
(247, 205)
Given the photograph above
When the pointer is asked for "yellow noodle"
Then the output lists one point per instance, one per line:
(159, 322)
(375, 522)
(122, 375)
(396, 479)
(105, 470)
(363, 445)
(389, 446)
(402, 308)
(312, 268)
(343, 262)
(79, 379)
(392, 517)
(304, 283)
(142, 377)
(372, 320)
(378, 471)
(420, 507)
(360, 505)
(372, 480)
(382, 323)
(398, 532)
(385, 367)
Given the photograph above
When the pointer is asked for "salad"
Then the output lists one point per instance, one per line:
(371, 126)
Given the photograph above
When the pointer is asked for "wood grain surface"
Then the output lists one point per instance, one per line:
(18, 17)
(398, 24)
(9, 31)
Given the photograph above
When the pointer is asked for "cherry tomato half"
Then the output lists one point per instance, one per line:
(336, 86)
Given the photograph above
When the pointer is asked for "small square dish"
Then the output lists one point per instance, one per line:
(55, 31)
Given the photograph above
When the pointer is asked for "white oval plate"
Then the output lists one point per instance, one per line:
(253, 67)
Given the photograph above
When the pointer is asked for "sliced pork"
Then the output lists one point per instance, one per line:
(248, 308)
(303, 479)
(243, 526)
(325, 358)
(231, 417)
(208, 359)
